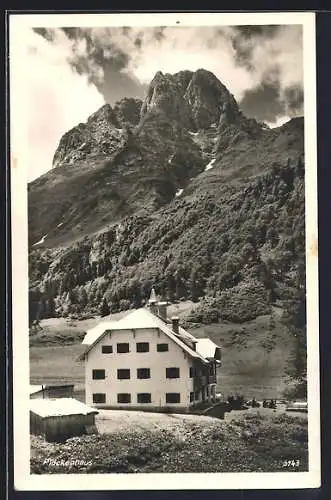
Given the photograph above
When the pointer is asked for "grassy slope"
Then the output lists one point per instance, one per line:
(67, 331)
(254, 358)
(255, 443)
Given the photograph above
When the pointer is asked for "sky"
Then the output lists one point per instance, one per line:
(74, 71)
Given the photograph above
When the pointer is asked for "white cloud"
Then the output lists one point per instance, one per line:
(58, 98)
(211, 48)
(178, 48)
(282, 53)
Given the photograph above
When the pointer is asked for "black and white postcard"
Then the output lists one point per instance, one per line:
(164, 251)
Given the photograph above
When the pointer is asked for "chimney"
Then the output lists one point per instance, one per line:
(162, 310)
(175, 324)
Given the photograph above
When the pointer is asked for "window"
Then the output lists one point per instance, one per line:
(173, 397)
(172, 372)
(191, 371)
(123, 347)
(191, 397)
(98, 374)
(99, 398)
(143, 373)
(197, 396)
(144, 397)
(123, 373)
(162, 347)
(142, 347)
(107, 349)
(124, 398)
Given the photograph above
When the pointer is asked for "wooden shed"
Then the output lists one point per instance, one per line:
(61, 418)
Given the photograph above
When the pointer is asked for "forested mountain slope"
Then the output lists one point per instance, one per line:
(182, 192)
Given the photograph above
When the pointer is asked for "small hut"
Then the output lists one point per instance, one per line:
(60, 419)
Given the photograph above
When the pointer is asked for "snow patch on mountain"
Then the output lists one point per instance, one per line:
(210, 164)
(42, 240)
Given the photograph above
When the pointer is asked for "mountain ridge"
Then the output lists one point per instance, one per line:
(180, 190)
(141, 140)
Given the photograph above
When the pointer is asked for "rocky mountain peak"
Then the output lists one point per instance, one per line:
(128, 111)
(101, 134)
(209, 100)
(207, 79)
(165, 95)
(195, 99)
(104, 114)
(184, 101)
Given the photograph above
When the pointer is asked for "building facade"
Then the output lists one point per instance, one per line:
(145, 361)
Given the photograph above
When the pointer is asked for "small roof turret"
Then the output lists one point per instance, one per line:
(152, 298)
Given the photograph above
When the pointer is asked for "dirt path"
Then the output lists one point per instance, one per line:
(115, 420)
(119, 420)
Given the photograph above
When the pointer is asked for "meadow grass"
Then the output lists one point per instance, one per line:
(256, 444)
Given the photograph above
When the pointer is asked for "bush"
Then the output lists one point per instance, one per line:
(296, 389)
(240, 303)
(207, 312)
(244, 302)
(195, 316)
(124, 305)
(210, 315)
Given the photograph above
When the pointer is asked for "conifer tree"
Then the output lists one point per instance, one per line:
(104, 308)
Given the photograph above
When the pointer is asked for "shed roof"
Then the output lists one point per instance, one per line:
(35, 388)
(59, 407)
